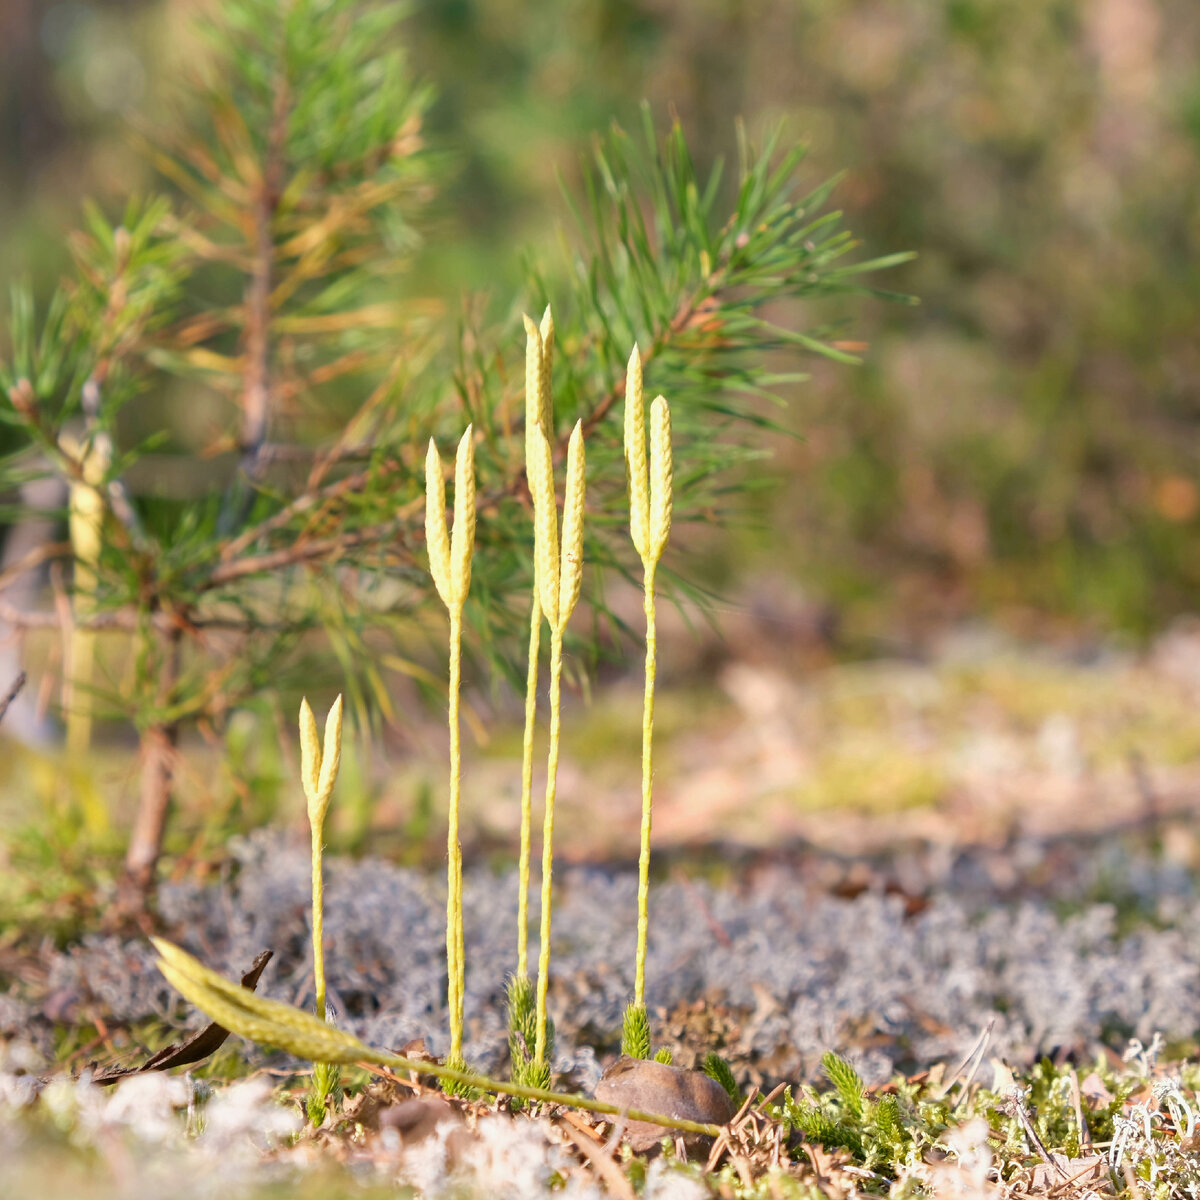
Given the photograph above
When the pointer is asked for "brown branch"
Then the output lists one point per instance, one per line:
(256, 392)
(340, 447)
(159, 752)
(302, 503)
(35, 558)
(407, 539)
(301, 552)
(127, 620)
(682, 318)
(13, 692)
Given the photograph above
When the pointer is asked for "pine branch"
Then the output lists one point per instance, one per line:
(293, 194)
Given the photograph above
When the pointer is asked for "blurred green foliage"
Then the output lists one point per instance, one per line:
(1023, 443)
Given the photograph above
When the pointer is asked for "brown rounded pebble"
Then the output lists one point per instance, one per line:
(657, 1088)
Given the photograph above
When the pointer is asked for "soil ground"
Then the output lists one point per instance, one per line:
(884, 858)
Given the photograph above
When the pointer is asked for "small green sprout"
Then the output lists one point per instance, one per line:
(318, 773)
(450, 565)
(715, 1067)
(651, 489)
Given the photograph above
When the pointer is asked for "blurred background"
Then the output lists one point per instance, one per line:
(1022, 445)
(1017, 454)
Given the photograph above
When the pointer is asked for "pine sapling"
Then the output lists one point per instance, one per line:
(318, 772)
(450, 565)
(559, 573)
(651, 493)
(539, 421)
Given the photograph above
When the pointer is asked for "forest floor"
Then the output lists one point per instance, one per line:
(991, 846)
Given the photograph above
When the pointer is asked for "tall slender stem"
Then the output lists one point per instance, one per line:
(643, 925)
(454, 923)
(531, 682)
(318, 913)
(539, 1053)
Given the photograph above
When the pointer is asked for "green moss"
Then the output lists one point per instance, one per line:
(878, 777)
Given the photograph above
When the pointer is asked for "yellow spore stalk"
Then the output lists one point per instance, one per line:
(450, 557)
(650, 506)
(318, 773)
(539, 422)
(559, 572)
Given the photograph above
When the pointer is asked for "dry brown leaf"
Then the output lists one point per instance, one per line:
(206, 1042)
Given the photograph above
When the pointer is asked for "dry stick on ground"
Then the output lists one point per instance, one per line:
(597, 1154)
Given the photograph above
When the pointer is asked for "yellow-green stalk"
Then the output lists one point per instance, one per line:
(318, 772)
(538, 421)
(450, 557)
(559, 572)
(539, 343)
(650, 505)
(273, 1023)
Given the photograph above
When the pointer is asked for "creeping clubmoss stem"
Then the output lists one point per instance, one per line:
(272, 1023)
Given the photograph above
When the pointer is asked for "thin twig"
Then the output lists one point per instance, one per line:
(302, 503)
(978, 1049)
(600, 1157)
(318, 548)
(35, 558)
(1014, 1105)
(126, 620)
(12, 693)
(1085, 1137)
